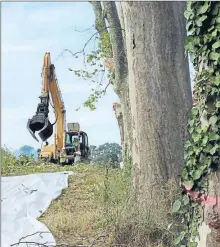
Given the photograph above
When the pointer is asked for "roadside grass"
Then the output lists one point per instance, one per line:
(95, 209)
(74, 218)
(83, 212)
(23, 165)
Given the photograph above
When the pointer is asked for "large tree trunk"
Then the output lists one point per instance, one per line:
(153, 84)
(160, 92)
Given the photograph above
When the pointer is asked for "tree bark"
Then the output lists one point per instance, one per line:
(119, 117)
(121, 87)
(120, 83)
(159, 90)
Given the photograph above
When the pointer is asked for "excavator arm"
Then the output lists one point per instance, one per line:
(40, 121)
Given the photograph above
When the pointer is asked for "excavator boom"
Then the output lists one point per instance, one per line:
(68, 146)
(40, 122)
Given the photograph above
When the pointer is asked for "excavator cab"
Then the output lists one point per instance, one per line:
(40, 122)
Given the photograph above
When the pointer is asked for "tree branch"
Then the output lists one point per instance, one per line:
(117, 42)
(107, 87)
(85, 45)
(78, 52)
(100, 24)
(50, 244)
(85, 30)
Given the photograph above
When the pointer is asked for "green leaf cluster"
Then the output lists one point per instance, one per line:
(93, 98)
(203, 43)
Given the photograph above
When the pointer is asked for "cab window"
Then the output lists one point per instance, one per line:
(68, 139)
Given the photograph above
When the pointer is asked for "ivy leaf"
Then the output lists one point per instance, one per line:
(200, 20)
(211, 28)
(208, 148)
(193, 244)
(215, 9)
(189, 184)
(213, 120)
(191, 122)
(203, 8)
(194, 112)
(187, 14)
(213, 150)
(196, 150)
(196, 137)
(205, 139)
(189, 42)
(213, 136)
(214, 33)
(184, 174)
(198, 130)
(187, 144)
(216, 81)
(216, 45)
(185, 200)
(197, 174)
(179, 238)
(214, 56)
(176, 206)
(217, 104)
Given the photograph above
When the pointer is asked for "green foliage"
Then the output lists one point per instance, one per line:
(10, 164)
(202, 150)
(25, 164)
(97, 71)
(93, 98)
(203, 43)
(108, 154)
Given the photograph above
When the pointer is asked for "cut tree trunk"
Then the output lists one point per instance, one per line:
(119, 117)
(159, 90)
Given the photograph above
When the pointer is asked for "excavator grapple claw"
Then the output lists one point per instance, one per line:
(42, 124)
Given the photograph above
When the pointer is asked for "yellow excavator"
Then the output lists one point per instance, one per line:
(71, 145)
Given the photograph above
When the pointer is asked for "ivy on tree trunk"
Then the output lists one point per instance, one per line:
(200, 205)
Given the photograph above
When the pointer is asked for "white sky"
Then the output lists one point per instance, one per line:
(28, 31)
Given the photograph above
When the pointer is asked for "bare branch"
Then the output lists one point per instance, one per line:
(92, 243)
(21, 240)
(30, 242)
(85, 30)
(107, 87)
(78, 52)
(84, 47)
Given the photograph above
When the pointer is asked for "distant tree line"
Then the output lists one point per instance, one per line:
(106, 154)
